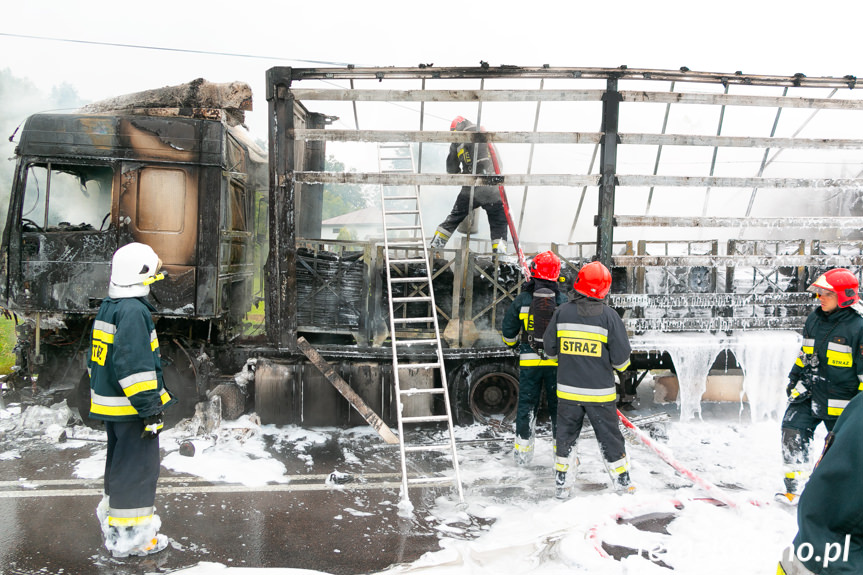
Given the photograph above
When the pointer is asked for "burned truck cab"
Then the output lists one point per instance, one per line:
(181, 181)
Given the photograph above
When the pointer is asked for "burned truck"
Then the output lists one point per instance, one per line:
(250, 271)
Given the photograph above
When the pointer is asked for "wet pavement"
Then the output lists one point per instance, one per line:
(48, 523)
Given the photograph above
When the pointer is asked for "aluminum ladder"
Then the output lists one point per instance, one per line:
(408, 267)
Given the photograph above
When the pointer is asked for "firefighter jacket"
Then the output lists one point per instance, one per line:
(830, 510)
(460, 160)
(830, 361)
(517, 321)
(589, 340)
(125, 366)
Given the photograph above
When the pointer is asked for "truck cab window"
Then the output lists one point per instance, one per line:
(60, 197)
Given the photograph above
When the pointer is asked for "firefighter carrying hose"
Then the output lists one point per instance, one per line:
(827, 374)
(461, 160)
(127, 392)
(589, 340)
(529, 315)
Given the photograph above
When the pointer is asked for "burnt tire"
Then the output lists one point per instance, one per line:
(233, 400)
(484, 393)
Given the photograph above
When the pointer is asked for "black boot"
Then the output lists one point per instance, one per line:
(560, 489)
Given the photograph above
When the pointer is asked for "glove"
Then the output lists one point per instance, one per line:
(152, 426)
(797, 392)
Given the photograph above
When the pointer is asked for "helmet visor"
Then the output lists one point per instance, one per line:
(821, 292)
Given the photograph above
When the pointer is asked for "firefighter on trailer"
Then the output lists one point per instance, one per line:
(826, 375)
(529, 315)
(128, 393)
(589, 340)
(461, 160)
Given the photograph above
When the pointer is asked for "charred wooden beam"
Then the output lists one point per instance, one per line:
(681, 75)
(722, 324)
(734, 182)
(448, 137)
(702, 300)
(817, 224)
(840, 260)
(343, 388)
(445, 179)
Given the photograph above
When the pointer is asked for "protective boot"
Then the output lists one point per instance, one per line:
(561, 466)
(498, 246)
(619, 473)
(439, 240)
(795, 455)
(523, 450)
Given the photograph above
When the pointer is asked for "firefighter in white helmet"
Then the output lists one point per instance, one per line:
(128, 393)
(827, 374)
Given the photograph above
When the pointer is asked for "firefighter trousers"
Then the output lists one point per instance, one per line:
(486, 197)
(603, 419)
(798, 429)
(131, 472)
(531, 382)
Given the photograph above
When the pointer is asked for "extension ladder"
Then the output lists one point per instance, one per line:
(408, 267)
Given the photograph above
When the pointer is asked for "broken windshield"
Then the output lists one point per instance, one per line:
(61, 197)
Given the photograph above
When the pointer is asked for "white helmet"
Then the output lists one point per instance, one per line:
(133, 269)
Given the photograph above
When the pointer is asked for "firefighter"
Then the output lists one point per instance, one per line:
(128, 393)
(540, 295)
(826, 375)
(830, 534)
(589, 340)
(461, 160)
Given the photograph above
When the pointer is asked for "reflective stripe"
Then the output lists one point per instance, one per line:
(154, 341)
(622, 366)
(839, 355)
(582, 327)
(798, 363)
(561, 464)
(523, 447)
(138, 382)
(798, 389)
(130, 517)
(808, 346)
(586, 394)
(117, 406)
(509, 341)
(619, 466)
(794, 474)
(836, 406)
(534, 360)
(104, 331)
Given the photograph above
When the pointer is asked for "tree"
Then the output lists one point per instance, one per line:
(344, 198)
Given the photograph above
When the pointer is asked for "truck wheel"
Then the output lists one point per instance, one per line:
(484, 393)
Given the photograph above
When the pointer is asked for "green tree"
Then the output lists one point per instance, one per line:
(344, 198)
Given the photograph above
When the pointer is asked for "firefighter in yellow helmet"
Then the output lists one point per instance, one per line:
(127, 392)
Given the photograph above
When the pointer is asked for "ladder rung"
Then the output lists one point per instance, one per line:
(406, 244)
(415, 341)
(400, 197)
(424, 418)
(410, 299)
(413, 320)
(408, 261)
(395, 228)
(395, 157)
(431, 480)
(425, 390)
(408, 280)
(398, 171)
(419, 366)
(430, 447)
(402, 212)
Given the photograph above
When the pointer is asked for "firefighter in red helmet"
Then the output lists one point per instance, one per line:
(461, 160)
(826, 375)
(589, 340)
(524, 326)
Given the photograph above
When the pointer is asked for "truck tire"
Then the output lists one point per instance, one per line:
(484, 392)
(233, 400)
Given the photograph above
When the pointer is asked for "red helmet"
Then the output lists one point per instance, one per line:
(839, 281)
(458, 123)
(594, 280)
(545, 266)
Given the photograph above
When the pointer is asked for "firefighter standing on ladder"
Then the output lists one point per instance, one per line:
(589, 340)
(536, 370)
(827, 374)
(460, 160)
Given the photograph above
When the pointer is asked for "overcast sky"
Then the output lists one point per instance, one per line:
(754, 36)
